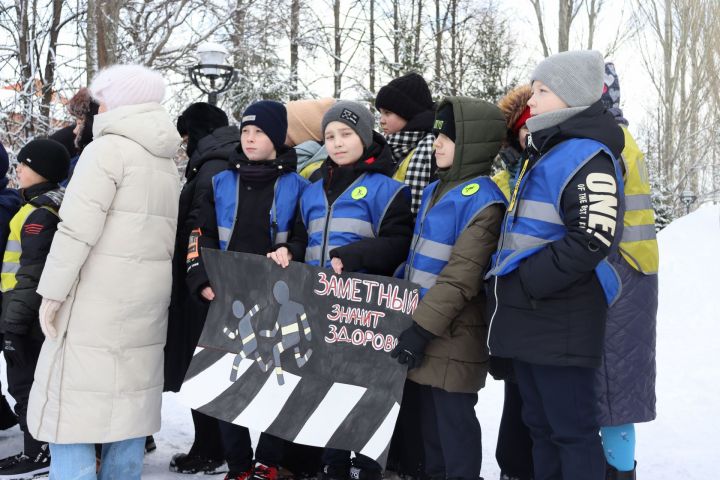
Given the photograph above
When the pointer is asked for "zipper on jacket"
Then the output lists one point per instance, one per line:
(273, 215)
(411, 260)
(492, 317)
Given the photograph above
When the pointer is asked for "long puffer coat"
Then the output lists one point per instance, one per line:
(101, 379)
(625, 381)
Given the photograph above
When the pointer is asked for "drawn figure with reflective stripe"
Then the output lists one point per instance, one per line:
(287, 323)
(248, 340)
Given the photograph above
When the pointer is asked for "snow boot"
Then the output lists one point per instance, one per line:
(357, 473)
(150, 444)
(239, 475)
(26, 468)
(8, 419)
(611, 473)
(191, 464)
(334, 472)
(264, 472)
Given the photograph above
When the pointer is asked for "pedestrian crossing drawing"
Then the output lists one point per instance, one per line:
(278, 355)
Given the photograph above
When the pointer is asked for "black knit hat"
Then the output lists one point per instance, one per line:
(445, 122)
(270, 117)
(198, 121)
(46, 157)
(405, 96)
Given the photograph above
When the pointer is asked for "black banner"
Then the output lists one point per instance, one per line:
(301, 353)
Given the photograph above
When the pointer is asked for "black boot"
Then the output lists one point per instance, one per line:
(611, 473)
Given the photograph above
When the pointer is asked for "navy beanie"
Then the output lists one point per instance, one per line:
(270, 117)
(4, 161)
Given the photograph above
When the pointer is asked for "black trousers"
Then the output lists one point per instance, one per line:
(514, 444)
(208, 441)
(406, 456)
(451, 434)
(238, 448)
(559, 408)
(341, 458)
(21, 363)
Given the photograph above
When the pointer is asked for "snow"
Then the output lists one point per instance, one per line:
(681, 443)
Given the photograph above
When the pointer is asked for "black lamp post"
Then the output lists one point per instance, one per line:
(688, 198)
(212, 75)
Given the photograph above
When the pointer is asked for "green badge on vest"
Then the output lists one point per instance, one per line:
(470, 189)
(359, 192)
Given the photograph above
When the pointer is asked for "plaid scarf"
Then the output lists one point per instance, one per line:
(418, 172)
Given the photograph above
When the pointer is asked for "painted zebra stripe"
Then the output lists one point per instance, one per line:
(380, 440)
(268, 403)
(203, 358)
(300, 406)
(330, 413)
(207, 385)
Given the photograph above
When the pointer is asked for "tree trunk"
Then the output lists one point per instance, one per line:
(453, 48)
(418, 33)
(49, 77)
(396, 38)
(294, 41)
(337, 51)
(91, 63)
(541, 26)
(564, 21)
(438, 43)
(107, 16)
(371, 68)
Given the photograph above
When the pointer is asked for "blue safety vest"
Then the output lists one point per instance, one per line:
(226, 189)
(355, 215)
(438, 228)
(534, 219)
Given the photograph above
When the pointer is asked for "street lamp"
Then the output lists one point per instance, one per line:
(688, 198)
(212, 75)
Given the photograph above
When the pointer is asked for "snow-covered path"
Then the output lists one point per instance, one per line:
(680, 444)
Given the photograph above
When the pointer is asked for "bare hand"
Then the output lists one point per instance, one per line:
(208, 294)
(336, 265)
(281, 256)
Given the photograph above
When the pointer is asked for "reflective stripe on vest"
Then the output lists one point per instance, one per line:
(356, 214)
(438, 227)
(639, 242)
(287, 191)
(13, 249)
(534, 219)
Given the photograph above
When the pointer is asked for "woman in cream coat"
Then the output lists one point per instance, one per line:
(106, 286)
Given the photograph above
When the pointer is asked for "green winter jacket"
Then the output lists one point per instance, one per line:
(454, 308)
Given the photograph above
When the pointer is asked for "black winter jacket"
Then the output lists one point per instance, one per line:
(186, 315)
(381, 255)
(552, 309)
(252, 224)
(21, 304)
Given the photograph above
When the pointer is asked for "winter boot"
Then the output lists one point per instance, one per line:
(357, 473)
(8, 419)
(334, 472)
(239, 475)
(611, 473)
(150, 444)
(25, 467)
(264, 472)
(191, 464)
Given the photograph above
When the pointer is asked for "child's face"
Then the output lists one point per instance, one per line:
(343, 144)
(27, 177)
(391, 122)
(256, 145)
(544, 100)
(444, 151)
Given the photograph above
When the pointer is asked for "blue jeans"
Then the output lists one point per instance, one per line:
(121, 460)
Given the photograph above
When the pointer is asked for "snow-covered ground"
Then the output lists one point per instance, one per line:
(680, 444)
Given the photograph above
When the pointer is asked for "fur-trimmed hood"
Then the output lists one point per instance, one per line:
(513, 104)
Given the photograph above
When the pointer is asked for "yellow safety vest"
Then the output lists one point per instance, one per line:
(639, 242)
(502, 180)
(13, 249)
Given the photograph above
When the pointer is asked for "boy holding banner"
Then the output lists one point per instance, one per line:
(260, 178)
(353, 218)
(455, 235)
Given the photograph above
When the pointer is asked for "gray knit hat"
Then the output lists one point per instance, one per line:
(355, 116)
(576, 77)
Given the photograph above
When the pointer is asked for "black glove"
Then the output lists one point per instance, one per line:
(411, 345)
(14, 350)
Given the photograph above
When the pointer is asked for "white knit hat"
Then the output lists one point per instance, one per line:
(120, 85)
